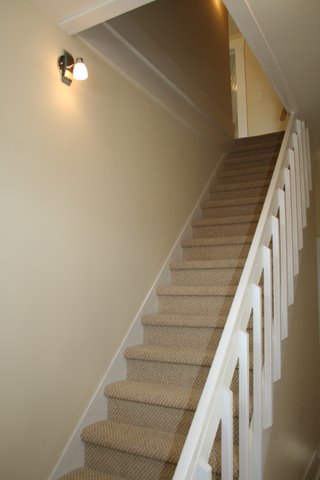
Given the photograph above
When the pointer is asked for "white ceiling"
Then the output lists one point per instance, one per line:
(284, 35)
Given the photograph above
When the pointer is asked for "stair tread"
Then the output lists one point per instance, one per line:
(208, 264)
(233, 202)
(244, 163)
(255, 150)
(228, 240)
(250, 156)
(170, 354)
(89, 474)
(239, 185)
(155, 393)
(201, 291)
(178, 397)
(257, 144)
(272, 136)
(184, 320)
(229, 220)
(147, 442)
(231, 172)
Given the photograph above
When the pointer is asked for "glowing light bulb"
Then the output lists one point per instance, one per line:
(80, 71)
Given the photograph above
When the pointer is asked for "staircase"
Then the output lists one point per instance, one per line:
(149, 413)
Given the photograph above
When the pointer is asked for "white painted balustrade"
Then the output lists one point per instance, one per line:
(259, 311)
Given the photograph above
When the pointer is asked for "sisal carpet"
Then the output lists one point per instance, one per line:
(150, 412)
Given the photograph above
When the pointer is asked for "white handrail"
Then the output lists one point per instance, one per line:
(271, 264)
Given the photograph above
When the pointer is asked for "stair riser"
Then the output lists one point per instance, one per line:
(274, 138)
(246, 161)
(236, 171)
(216, 252)
(206, 338)
(247, 177)
(256, 150)
(232, 229)
(150, 416)
(198, 305)
(132, 467)
(233, 210)
(184, 337)
(175, 420)
(223, 276)
(242, 192)
(175, 374)
(167, 373)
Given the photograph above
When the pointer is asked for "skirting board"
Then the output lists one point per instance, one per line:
(73, 455)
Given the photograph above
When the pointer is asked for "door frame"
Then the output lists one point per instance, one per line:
(237, 44)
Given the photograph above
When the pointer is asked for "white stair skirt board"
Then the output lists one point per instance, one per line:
(73, 454)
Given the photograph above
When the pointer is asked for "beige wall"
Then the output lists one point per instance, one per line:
(196, 40)
(96, 181)
(295, 433)
(317, 190)
(263, 105)
(263, 114)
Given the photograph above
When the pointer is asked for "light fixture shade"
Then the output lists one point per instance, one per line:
(80, 71)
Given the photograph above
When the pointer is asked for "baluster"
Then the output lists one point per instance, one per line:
(283, 264)
(295, 245)
(298, 189)
(244, 401)
(204, 470)
(289, 236)
(309, 159)
(257, 394)
(267, 290)
(227, 434)
(302, 174)
(276, 300)
(305, 163)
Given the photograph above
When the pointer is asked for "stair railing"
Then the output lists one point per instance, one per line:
(241, 378)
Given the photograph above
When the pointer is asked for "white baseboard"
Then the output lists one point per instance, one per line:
(73, 455)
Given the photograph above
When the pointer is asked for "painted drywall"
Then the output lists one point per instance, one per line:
(317, 190)
(263, 105)
(196, 39)
(295, 432)
(96, 181)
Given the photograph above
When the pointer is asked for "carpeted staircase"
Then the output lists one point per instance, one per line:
(150, 412)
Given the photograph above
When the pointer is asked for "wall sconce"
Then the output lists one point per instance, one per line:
(70, 69)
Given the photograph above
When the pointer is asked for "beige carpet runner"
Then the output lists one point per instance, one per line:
(150, 412)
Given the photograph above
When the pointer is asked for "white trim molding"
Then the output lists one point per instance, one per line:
(98, 13)
(237, 44)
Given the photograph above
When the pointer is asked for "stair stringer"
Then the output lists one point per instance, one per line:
(73, 453)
